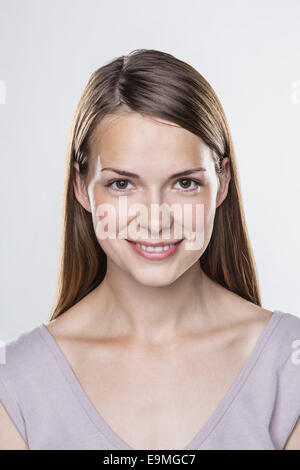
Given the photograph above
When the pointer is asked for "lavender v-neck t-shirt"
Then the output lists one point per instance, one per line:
(51, 410)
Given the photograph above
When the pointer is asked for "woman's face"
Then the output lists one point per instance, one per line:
(152, 151)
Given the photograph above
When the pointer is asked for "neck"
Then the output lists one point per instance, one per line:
(156, 314)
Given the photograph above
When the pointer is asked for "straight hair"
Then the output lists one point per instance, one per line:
(156, 84)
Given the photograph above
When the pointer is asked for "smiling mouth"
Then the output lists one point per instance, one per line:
(155, 247)
(157, 251)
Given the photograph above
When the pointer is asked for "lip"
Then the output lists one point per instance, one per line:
(155, 256)
(142, 242)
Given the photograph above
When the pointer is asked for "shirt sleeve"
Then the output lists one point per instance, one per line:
(13, 409)
(287, 410)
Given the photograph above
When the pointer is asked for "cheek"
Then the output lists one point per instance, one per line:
(104, 216)
(109, 217)
(200, 212)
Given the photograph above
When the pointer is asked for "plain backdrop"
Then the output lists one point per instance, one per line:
(249, 51)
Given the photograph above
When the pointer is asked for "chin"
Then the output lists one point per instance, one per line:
(154, 281)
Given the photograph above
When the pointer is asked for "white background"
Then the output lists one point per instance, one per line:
(249, 51)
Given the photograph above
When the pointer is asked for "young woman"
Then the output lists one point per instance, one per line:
(157, 339)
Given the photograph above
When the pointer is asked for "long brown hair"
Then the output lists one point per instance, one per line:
(156, 84)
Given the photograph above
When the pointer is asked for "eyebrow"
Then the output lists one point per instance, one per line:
(134, 175)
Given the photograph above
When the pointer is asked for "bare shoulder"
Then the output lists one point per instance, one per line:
(65, 324)
(79, 329)
(256, 320)
(244, 320)
(293, 442)
(74, 321)
(254, 317)
(10, 438)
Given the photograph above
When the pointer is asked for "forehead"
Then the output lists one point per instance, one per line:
(133, 141)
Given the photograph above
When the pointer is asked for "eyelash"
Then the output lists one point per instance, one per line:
(181, 179)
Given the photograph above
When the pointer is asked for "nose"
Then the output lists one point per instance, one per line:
(157, 220)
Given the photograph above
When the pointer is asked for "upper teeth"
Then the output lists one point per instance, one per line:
(154, 248)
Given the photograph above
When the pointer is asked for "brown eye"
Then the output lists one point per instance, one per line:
(185, 184)
(121, 184)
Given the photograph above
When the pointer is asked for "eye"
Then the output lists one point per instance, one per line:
(186, 184)
(122, 185)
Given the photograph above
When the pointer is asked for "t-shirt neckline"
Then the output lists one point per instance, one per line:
(102, 425)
